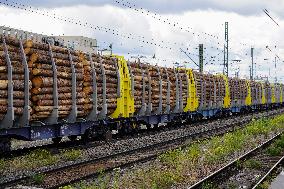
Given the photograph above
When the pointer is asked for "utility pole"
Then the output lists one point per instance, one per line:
(201, 58)
(226, 50)
(250, 72)
(275, 69)
(252, 69)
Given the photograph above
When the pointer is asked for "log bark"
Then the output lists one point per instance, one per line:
(15, 70)
(61, 96)
(16, 94)
(40, 81)
(50, 108)
(3, 109)
(17, 84)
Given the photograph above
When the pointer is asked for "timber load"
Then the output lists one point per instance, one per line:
(66, 83)
(139, 75)
(42, 72)
(45, 63)
(173, 87)
(106, 67)
(13, 47)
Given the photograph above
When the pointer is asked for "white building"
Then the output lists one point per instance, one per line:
(81, 43)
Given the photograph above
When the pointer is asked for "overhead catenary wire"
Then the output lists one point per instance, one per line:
(86, 24)
(167, 21)
(158, 17)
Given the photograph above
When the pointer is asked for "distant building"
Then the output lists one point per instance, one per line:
(81, 43)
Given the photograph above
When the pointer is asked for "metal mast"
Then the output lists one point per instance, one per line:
(200, 58)
(226, 50)
(252, 68)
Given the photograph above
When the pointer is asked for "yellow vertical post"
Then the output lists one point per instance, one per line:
(273, 98)
(248, 97)
(281, 92)
(192, 99)
(263, 99)
(227, 98)
(125, 102)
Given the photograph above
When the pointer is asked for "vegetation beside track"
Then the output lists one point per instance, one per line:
(38, 158)
(186, 166)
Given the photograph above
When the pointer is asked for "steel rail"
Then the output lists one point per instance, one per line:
(280, 161)
(233, 163)
(79, 143)
(199, 134)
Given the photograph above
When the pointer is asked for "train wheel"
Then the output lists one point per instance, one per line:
(5, 145)
(108, 135)
(72, 138)
(87, 136)
(56, 140)
(148, 126)
(156, 127)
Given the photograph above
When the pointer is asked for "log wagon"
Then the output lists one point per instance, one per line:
(48, 92)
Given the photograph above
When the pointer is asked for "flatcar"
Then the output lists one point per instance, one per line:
(50, 92)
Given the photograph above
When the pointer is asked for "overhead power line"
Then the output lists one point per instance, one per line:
(163, 20)
(267, 13)
(142, 39)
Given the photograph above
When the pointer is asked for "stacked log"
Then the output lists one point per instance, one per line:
(243, 90)
(99, 79)
(173, 89)
(220, 89)
(234, 88)
(138, 85)
(112, 83)
(209, 89)
(199, 88)
(277, 88)
(163, 72)
(254, 91)
(41, 74)
(267, 89)
(145, 68)
(109, 64)
(80, 96)
(155, 86)
(87, 89)
(184, 86)
(13, 46)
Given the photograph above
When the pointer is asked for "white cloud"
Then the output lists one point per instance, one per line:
(254, 30)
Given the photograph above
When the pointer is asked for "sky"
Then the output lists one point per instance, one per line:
(164, 28)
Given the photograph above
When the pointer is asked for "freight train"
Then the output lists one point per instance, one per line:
(49, 92)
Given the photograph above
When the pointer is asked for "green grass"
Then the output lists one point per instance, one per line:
(252, 164)
(39, 158)
(71, 155)
(208, 186)
(264, 185)
(276, 148)
(274, 151)
(34, 159)
(184, 165)
(38, 179)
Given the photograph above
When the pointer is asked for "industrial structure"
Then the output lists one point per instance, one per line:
(80, 43)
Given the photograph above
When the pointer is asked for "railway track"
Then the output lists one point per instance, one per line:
(247, 171)
(79, 144)
(269, 173)
(64, 175)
